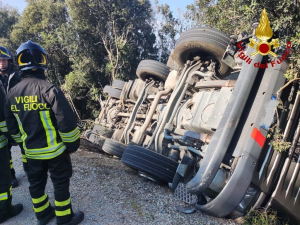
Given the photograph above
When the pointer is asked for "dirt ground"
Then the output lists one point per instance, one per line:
(108, 192)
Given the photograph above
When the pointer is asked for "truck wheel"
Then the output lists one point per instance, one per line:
(113, 147)
(118, 84)
(151, 68)
(112, 92)
(199, 40)
(157, 166)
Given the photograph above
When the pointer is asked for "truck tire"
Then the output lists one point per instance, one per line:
(202, 40)
(155, 165)
(118, 84)
(151, 68)
(113, 147)
(112, 92)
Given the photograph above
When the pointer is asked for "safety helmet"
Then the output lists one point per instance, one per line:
(31, 56)
(5, 54)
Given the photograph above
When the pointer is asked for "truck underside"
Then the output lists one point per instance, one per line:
(202, 124)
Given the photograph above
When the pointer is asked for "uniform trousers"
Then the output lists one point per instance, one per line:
(5, 182)
(60, 169)
(24, 160)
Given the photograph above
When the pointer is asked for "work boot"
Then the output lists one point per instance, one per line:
(47, 219)
(76, 219)
(14, 182)
(16, 209)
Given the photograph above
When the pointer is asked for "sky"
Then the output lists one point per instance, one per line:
(19, 4)
(174, 4)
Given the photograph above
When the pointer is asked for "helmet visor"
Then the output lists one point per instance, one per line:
(39, 57)
(24, 58)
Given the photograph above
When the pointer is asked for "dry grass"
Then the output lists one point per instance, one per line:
(261, 217)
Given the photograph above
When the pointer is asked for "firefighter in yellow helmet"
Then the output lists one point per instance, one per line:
(38, 114)
(8, 79)
(7, 210)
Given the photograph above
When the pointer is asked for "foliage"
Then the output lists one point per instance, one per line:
(120, 29)
(42, 22)
(294, 70)
(239, 15)
(8, 18)
(278, 143)
(89, 42)
(167, 28)
(82, 90)
(111, 38)
(195, 14)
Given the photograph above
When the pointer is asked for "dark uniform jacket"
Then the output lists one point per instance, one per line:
(3, 129)
(38, 114)
(7, 82)
(5, 174)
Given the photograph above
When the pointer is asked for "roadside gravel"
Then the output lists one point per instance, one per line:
(109, 193)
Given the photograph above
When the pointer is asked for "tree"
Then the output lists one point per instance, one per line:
(90, 42)
(8, 17)
(119, 27)
(43, 22)
(106, 40)
(167, 28)
(195, 14)
(239, 15)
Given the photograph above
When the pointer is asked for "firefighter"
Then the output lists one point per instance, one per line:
(7, 210)
(9, 79)
(38, 114)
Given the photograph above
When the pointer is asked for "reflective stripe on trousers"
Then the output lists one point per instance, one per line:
(40, 204)
(63, 208)
(4, 196)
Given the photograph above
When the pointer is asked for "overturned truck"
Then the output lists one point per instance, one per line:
(202, 124)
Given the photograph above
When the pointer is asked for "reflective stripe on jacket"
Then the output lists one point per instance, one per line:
(38, 114)
(3, 128)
